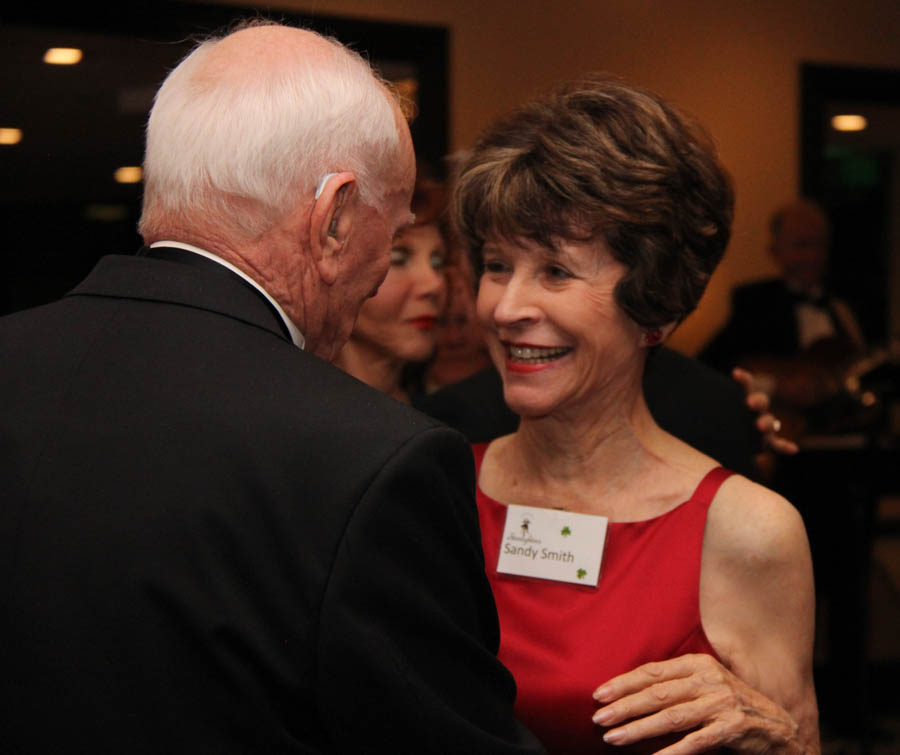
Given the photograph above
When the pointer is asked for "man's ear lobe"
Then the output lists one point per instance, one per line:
(331, 221)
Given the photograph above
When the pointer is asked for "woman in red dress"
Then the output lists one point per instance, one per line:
(598, 214)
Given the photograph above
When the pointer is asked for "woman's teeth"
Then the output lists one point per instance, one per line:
(536, 354)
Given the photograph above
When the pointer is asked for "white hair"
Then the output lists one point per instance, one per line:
(238, 149)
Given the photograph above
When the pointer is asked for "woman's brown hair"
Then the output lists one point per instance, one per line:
(600, 158)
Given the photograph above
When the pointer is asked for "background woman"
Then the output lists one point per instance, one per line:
(396, 328)
(461, 351)
(599, 214)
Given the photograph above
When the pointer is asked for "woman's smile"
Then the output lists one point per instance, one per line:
(527, 358)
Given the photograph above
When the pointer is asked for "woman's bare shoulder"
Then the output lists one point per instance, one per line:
(754, 525)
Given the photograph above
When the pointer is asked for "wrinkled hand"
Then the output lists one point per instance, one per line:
(766, 422)
(698, 695)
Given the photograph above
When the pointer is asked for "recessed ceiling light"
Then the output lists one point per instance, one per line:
(849, 123)
(62, 56)
(10, 135)
(129, 174)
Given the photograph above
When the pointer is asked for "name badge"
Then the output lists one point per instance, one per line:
(551, 544)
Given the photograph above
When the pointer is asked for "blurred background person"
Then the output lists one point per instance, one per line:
(461, 350)
(396, 330)
(796, 336)
(706, 575)
(801, 343)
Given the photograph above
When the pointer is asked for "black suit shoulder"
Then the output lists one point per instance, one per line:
(764, 287)
(474, 406)
(762, 322)
(702, 407)
(759, 296)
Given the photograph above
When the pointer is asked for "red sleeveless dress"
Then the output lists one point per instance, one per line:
(561, 641)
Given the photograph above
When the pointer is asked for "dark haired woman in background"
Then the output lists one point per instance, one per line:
(598, 214)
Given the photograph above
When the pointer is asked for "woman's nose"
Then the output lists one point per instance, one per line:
(431, 283)
(516, 303)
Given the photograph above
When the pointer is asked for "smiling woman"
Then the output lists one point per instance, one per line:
(397, 327)
(598, 214)
(558, 330)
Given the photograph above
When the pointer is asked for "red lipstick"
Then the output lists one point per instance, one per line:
(526, 367)
(424, 323)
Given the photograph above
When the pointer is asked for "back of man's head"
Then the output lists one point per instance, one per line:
(246, 125)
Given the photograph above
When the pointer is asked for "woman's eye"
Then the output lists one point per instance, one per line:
(399, 257)
(494, 266)
(438, 260)
(555, 272)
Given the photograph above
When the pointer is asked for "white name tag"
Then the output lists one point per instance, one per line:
(551, 544)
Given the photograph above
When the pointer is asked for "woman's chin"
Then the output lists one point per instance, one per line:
(526, 406)
(418, 353)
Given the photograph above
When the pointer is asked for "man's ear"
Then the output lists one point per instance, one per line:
(331, 221)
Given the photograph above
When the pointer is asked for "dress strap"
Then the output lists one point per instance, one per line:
(710, 485)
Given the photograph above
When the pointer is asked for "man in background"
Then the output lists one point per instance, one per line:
(799, 339)
(790, 331)
(211, 540)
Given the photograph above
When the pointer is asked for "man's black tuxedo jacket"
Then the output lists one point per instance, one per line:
(212, 542)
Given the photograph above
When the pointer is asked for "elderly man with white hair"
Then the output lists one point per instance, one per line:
(211, 539)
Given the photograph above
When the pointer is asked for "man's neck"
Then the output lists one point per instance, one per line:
(293, 330)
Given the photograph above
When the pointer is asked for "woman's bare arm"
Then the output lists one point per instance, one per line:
(757, 609)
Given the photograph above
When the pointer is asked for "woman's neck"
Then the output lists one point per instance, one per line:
(375, 369)
(595, 442)
(589, 460)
